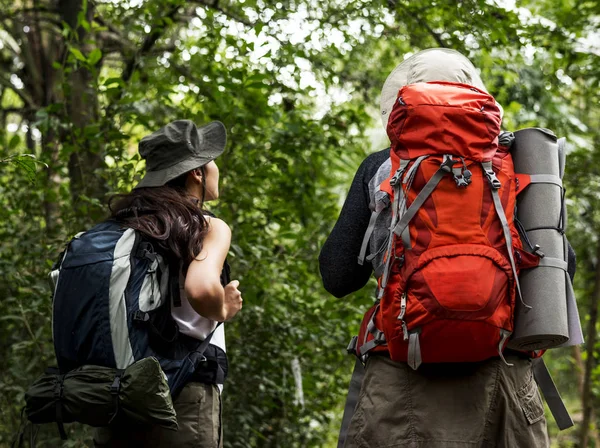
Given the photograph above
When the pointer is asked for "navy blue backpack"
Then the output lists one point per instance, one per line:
(113, 294)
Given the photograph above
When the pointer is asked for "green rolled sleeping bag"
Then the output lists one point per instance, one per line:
(553, 320)
(99, 396)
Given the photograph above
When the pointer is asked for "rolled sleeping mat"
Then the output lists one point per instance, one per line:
(575, 330)
(540, 210)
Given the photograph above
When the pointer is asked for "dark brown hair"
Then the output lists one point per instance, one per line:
(168, 216)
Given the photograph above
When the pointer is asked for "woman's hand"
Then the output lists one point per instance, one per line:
(233, 299)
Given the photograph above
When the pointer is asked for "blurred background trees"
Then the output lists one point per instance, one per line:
(297, 84)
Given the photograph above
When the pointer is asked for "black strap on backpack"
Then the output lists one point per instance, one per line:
(174, 283)
(58, 395)
(115, 388)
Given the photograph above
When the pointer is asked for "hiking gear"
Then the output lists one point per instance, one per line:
(452, 196)
(351, 401)
(439, 64)
(551, 395)
(539, 158)
(198, 409)
(96, 396)
(179, 147)
(112, 305)
(112, 302)
(448, 405)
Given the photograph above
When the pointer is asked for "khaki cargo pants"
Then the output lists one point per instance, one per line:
(475, 405)
(198, 409)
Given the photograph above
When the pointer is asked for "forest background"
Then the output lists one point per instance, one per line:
(297, 84)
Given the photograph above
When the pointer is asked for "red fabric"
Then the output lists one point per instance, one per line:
(457, 275)
(436, 115)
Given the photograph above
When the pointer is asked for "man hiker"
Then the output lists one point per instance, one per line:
(493, 402)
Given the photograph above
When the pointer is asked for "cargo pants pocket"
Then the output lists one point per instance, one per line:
(531, 401)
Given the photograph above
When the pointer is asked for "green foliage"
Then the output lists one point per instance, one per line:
(296, 84)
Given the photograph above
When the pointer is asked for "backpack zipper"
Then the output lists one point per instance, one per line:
(401, 315)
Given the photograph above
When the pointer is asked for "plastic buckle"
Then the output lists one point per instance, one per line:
(447, 164)
(492, 179)
(116, 385)
(537, 250)
(396, 177)
(351, 349)
(461, 181)
(140, 316)
(379, 338)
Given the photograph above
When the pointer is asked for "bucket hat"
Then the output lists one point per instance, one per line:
(433, 64)
(179, 147)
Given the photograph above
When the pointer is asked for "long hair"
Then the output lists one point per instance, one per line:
(167, 215)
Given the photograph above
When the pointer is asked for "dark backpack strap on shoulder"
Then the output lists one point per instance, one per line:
(174, 283)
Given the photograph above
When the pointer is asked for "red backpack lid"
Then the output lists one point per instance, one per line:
(444, 118)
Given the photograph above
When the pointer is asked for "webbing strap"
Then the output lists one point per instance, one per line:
(546, 179)
(494, 186)
(553, 263)
(378, 336)
(351, 401)
(58, 396)
(370, 345)
(555, 403)
(414, 350)
(412, 171)
(367, 238)
(174, 283)
(398, 198)
(419, 201)
(410, 175)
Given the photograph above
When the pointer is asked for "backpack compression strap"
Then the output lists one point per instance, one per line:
(445, 167)
(555, 403)
(494, 187)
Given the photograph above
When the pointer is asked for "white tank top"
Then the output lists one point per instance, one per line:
(193, 324)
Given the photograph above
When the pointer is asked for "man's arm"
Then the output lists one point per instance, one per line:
(338, 263)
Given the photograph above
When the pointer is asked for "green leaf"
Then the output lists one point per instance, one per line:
(14, 141)
(114, 80)
(82, 21)
(78, 54)
(94, 56)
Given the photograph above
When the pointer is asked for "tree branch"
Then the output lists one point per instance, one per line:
(23, 11)
(155, 34)
(419, 20)
(215, 4)
(20, 93)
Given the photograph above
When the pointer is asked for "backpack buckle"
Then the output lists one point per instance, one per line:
(140, 316)
(491, 177)
(396, 177)
(447, 164)
(351, 349)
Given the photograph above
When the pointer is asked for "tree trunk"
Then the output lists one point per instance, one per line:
(86, 161)
(579, 370)
(587, 396)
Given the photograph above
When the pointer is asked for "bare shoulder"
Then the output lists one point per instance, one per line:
(218, 226)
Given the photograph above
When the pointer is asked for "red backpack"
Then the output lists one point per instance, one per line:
(450, 279)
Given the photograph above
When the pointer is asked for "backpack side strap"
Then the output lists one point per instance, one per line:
(494, 187)
(351, 401)
(551, 395)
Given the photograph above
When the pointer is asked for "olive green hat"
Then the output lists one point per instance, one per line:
(179, 147)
